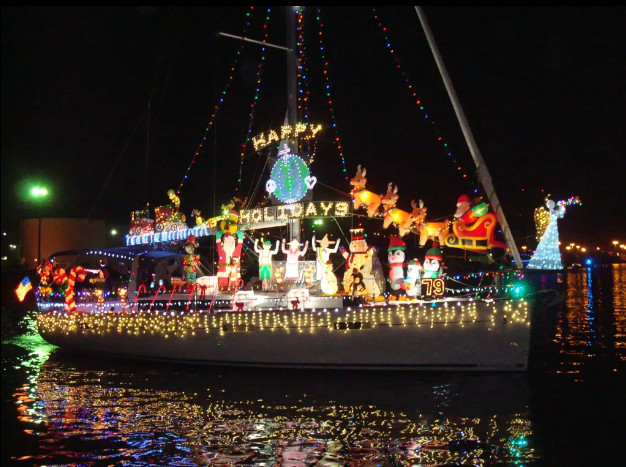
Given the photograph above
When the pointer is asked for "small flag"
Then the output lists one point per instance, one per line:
(22, 289)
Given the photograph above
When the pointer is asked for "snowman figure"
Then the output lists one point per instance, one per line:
(395, 257)
(433, 265)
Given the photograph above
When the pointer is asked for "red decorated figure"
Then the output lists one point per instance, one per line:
(229, 246)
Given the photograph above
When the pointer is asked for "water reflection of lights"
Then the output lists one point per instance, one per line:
(84, 412)
(585, 332)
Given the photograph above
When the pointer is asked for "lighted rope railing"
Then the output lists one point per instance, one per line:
(212, 301)
(156, 294)
(176, 287)
(191, 292)
(240, 284)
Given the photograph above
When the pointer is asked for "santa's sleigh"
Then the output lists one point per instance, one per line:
(477, 236)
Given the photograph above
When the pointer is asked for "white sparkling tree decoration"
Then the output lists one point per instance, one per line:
(548, 254)
(290, 177)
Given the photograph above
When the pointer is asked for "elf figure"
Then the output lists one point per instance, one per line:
(395, 257)
(45, 275)
(229, 246)
(191, 261)
(412, 285)
(433, 265)
(234, 274)
(265, 262)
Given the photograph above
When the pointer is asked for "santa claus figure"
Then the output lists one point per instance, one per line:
(229, 246)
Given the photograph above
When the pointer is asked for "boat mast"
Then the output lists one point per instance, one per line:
(292, 117)
(481, 168)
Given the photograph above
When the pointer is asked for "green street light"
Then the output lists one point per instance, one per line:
(39, 193)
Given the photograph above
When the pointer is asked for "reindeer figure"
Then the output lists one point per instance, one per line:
(401, 219)
(362, 196)
(435, 230)
(418, 214)
(389, 200)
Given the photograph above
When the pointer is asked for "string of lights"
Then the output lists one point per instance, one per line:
(255, 99)
(329, 101)
(420, 105)
(217, 106)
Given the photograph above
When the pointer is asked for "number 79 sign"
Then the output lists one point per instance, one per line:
(433, 286)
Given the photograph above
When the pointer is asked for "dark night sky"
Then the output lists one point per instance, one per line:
(541, 87)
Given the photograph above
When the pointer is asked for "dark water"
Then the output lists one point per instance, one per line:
(568, 409)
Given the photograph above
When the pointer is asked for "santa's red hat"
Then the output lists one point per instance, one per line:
(396, 243)
(463, 199)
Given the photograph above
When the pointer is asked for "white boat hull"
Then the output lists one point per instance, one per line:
(446, 335)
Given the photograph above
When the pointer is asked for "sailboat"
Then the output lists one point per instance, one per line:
(162, 306)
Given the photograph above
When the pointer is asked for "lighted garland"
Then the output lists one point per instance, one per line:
(217, 106)
(328, 95)
(304, 93)
(303, 85)
(419, 103)
(172, 324)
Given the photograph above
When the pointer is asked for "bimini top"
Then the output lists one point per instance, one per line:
(122, 252)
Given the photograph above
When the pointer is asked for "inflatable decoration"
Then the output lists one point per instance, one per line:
(60, 278)
(230, 223)
(168, 217)
(433, 266)
(229, 246)
(191, 261)
(363, 258)
(197, 214)
(396, 256)
(77, 274)
(140, 222)
(412, 285)
(45, 278)
(473, 227)
(428, 230)
(361, 196)
(394, 215)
